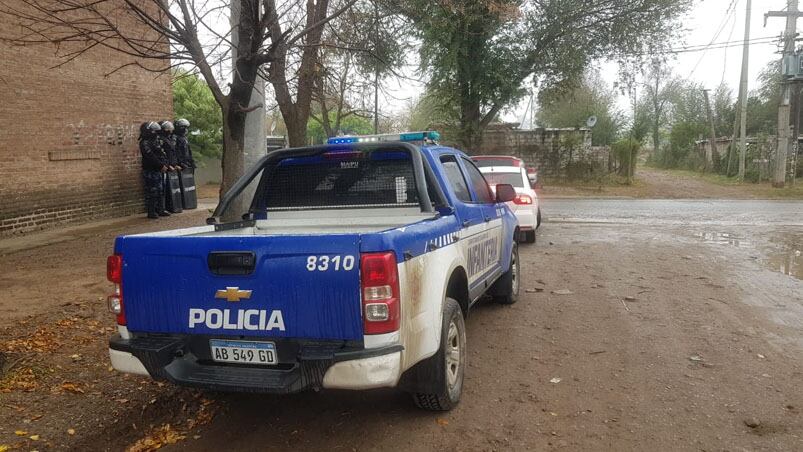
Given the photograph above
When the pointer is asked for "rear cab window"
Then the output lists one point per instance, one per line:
(514, 179)
(339, 179)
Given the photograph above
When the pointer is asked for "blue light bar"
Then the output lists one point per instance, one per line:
(342, 140)
(428, 136)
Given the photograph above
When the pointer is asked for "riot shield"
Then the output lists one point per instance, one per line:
(173, 192)
(189, 197)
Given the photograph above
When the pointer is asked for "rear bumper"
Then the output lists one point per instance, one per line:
(309, 366)
(528, 219)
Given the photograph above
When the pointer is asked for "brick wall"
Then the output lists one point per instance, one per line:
(68, 135)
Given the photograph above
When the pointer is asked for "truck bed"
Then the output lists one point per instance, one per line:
(314, 222)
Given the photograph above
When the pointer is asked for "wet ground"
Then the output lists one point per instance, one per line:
(669, 325)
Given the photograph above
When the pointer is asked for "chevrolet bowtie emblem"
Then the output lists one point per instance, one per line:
(233, 294)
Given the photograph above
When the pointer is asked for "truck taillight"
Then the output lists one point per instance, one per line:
(523, 200)
(114, 273)
(380, 292)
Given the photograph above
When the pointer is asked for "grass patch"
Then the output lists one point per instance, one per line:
(762, 189)
(607, 180)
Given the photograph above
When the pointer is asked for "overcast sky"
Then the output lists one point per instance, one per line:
(709, 21)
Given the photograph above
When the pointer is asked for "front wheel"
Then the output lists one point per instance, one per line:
(506, 289)
(448, 365)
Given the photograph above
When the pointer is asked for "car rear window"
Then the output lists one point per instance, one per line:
(501, 161)
(514, 179)
(345, 179)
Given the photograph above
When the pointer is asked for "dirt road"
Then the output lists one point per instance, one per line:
(677, 335)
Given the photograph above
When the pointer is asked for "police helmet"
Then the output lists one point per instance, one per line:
(182, 123)
(153, 127)
(167, 126)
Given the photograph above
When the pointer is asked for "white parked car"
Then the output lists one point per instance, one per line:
(511, 170)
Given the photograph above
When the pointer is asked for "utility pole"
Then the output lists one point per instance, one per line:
(784, 134)
(743, 95)
(795, 130)
(712, 150)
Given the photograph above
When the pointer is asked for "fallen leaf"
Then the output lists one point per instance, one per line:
(562, 292)
(34, 437)
(555, 380)
(71, 431)
(72, 387)
(695, 358)
(761, 356)
(442, 422)
(20, 433)
(4, 448)
(162, 436)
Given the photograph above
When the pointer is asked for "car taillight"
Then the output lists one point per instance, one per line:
(523, 200)
(380, 292)
(114, 273)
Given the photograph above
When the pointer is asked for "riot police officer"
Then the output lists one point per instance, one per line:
(154, 165)
(171, 189)
(183, 145)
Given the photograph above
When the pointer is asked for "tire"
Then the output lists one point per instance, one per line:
(448, 366)
(529, 236)
(506, 289)
(538, 219)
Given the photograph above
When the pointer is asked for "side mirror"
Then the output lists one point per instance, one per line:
(505, 193)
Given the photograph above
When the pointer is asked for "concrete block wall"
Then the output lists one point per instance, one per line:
(542, 148)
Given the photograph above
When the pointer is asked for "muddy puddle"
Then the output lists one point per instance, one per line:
(780, 251)
(787, 255)
(724, 238)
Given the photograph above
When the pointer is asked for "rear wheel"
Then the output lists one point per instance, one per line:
(506, 289)
(538, 219)
(529, 236)
(448, 365)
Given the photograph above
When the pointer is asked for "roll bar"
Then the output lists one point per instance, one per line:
(421, 170)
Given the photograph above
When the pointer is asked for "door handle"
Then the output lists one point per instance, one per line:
(466, 223)
(487, 219)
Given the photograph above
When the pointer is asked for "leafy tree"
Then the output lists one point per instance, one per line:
(658, 91)
(572, 109)
(623, 150)
(362, 46)
(762, 103)
(193, 100)
(479, 53)
(350, 125)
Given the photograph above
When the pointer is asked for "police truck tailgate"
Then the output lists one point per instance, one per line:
(287, 286)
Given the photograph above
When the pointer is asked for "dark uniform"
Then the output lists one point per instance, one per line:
(154, 162)
(183, 144)
(172, 192)
(189, 197)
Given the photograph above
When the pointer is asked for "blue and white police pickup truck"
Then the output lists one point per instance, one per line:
(352, 265)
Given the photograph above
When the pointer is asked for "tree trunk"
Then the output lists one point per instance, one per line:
(233, 162)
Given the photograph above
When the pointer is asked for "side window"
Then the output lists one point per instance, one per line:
(478, 183)
(455, 177)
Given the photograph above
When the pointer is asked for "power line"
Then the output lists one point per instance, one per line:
(731, 11)
(725, 54)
